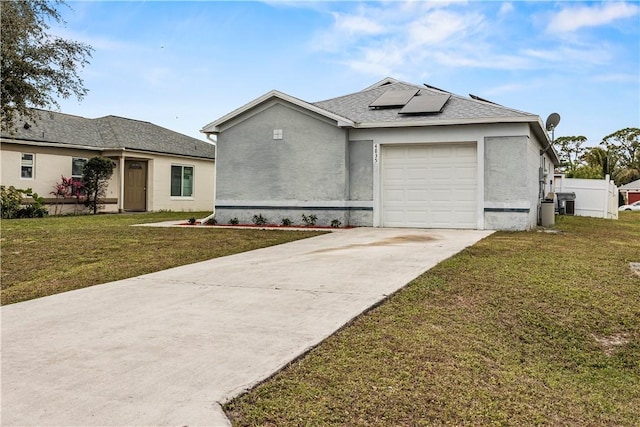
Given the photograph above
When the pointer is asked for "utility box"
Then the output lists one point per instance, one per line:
(547, 213)
(566, 203)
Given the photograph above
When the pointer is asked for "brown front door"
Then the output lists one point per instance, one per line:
(135, 185)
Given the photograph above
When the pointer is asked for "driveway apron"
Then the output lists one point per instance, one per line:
(167, 348)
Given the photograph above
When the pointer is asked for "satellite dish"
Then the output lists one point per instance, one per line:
(552, 121)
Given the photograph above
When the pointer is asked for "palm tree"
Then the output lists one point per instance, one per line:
(625, 145)
(601, 159)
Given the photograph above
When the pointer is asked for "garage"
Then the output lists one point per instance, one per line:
(429, 185)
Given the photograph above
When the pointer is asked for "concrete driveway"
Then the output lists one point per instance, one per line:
(165, 349)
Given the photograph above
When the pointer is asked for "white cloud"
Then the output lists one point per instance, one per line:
(356, 25)
(440, 26)
(573, 18)
(505, 9)
(384, 38)
(572, 56)
(392, 38)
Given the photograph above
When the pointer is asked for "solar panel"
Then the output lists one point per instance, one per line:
(425, 104)
(394, 98)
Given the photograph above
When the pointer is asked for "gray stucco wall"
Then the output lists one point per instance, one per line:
(507, 190)
(360, 170)
(308, 163)
(305, 172)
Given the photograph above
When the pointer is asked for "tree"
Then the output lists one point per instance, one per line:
(625, 144)
(36, 67)
(600, 160)
(96, 174)
(570, 152)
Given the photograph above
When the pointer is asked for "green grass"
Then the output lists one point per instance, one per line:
(46, 256)
(524, 328)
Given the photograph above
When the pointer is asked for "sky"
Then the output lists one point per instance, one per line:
(182, 65)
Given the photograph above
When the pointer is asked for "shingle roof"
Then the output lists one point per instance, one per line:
(110, 132)
(633, 185)
(355, 107)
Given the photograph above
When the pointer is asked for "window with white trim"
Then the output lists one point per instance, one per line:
(77, 172)
(27, 163)
(181, 181)
(77, 166)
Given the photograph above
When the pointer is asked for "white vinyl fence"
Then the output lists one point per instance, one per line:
(594, 197)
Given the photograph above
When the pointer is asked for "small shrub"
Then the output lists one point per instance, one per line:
(286, 222)
(211, 221)
(68, 187)
(95, 180)
(336, 223)
(234, 221)
(192, 220)
(11, 201)
(310, 220)
(14, 207)
(259, 220)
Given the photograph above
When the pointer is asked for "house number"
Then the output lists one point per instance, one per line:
(375, 153)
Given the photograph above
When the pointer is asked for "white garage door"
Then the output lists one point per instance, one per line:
(429, 186)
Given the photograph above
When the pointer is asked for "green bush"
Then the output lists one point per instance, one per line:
(13, 205)
(310, 220)
(96, 174)
(259, 219)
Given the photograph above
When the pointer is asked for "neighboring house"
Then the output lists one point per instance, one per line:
(631, 191)
(392, 155)
(156, 168)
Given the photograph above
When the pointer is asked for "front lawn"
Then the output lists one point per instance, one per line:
(525, 328)
(44, 256)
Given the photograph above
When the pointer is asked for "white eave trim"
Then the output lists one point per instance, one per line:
(113, 150)
(51, 144)
(214, 127)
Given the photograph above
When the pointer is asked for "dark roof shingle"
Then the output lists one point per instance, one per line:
(110, 132)
(355, 107)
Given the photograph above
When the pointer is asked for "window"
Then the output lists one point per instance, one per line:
(26, 165)
(181, 181)
(77, 165)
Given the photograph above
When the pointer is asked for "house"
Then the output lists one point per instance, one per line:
(392, 155)
(156, 168)
(631, 191)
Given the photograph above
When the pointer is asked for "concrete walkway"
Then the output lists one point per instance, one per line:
(165, 349)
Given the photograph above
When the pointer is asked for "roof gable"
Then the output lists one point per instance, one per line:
(110, 132)
(214, 127)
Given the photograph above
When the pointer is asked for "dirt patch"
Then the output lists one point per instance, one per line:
(610, 343)
(384, 242)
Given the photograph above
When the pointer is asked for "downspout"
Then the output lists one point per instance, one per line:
(215, 180)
